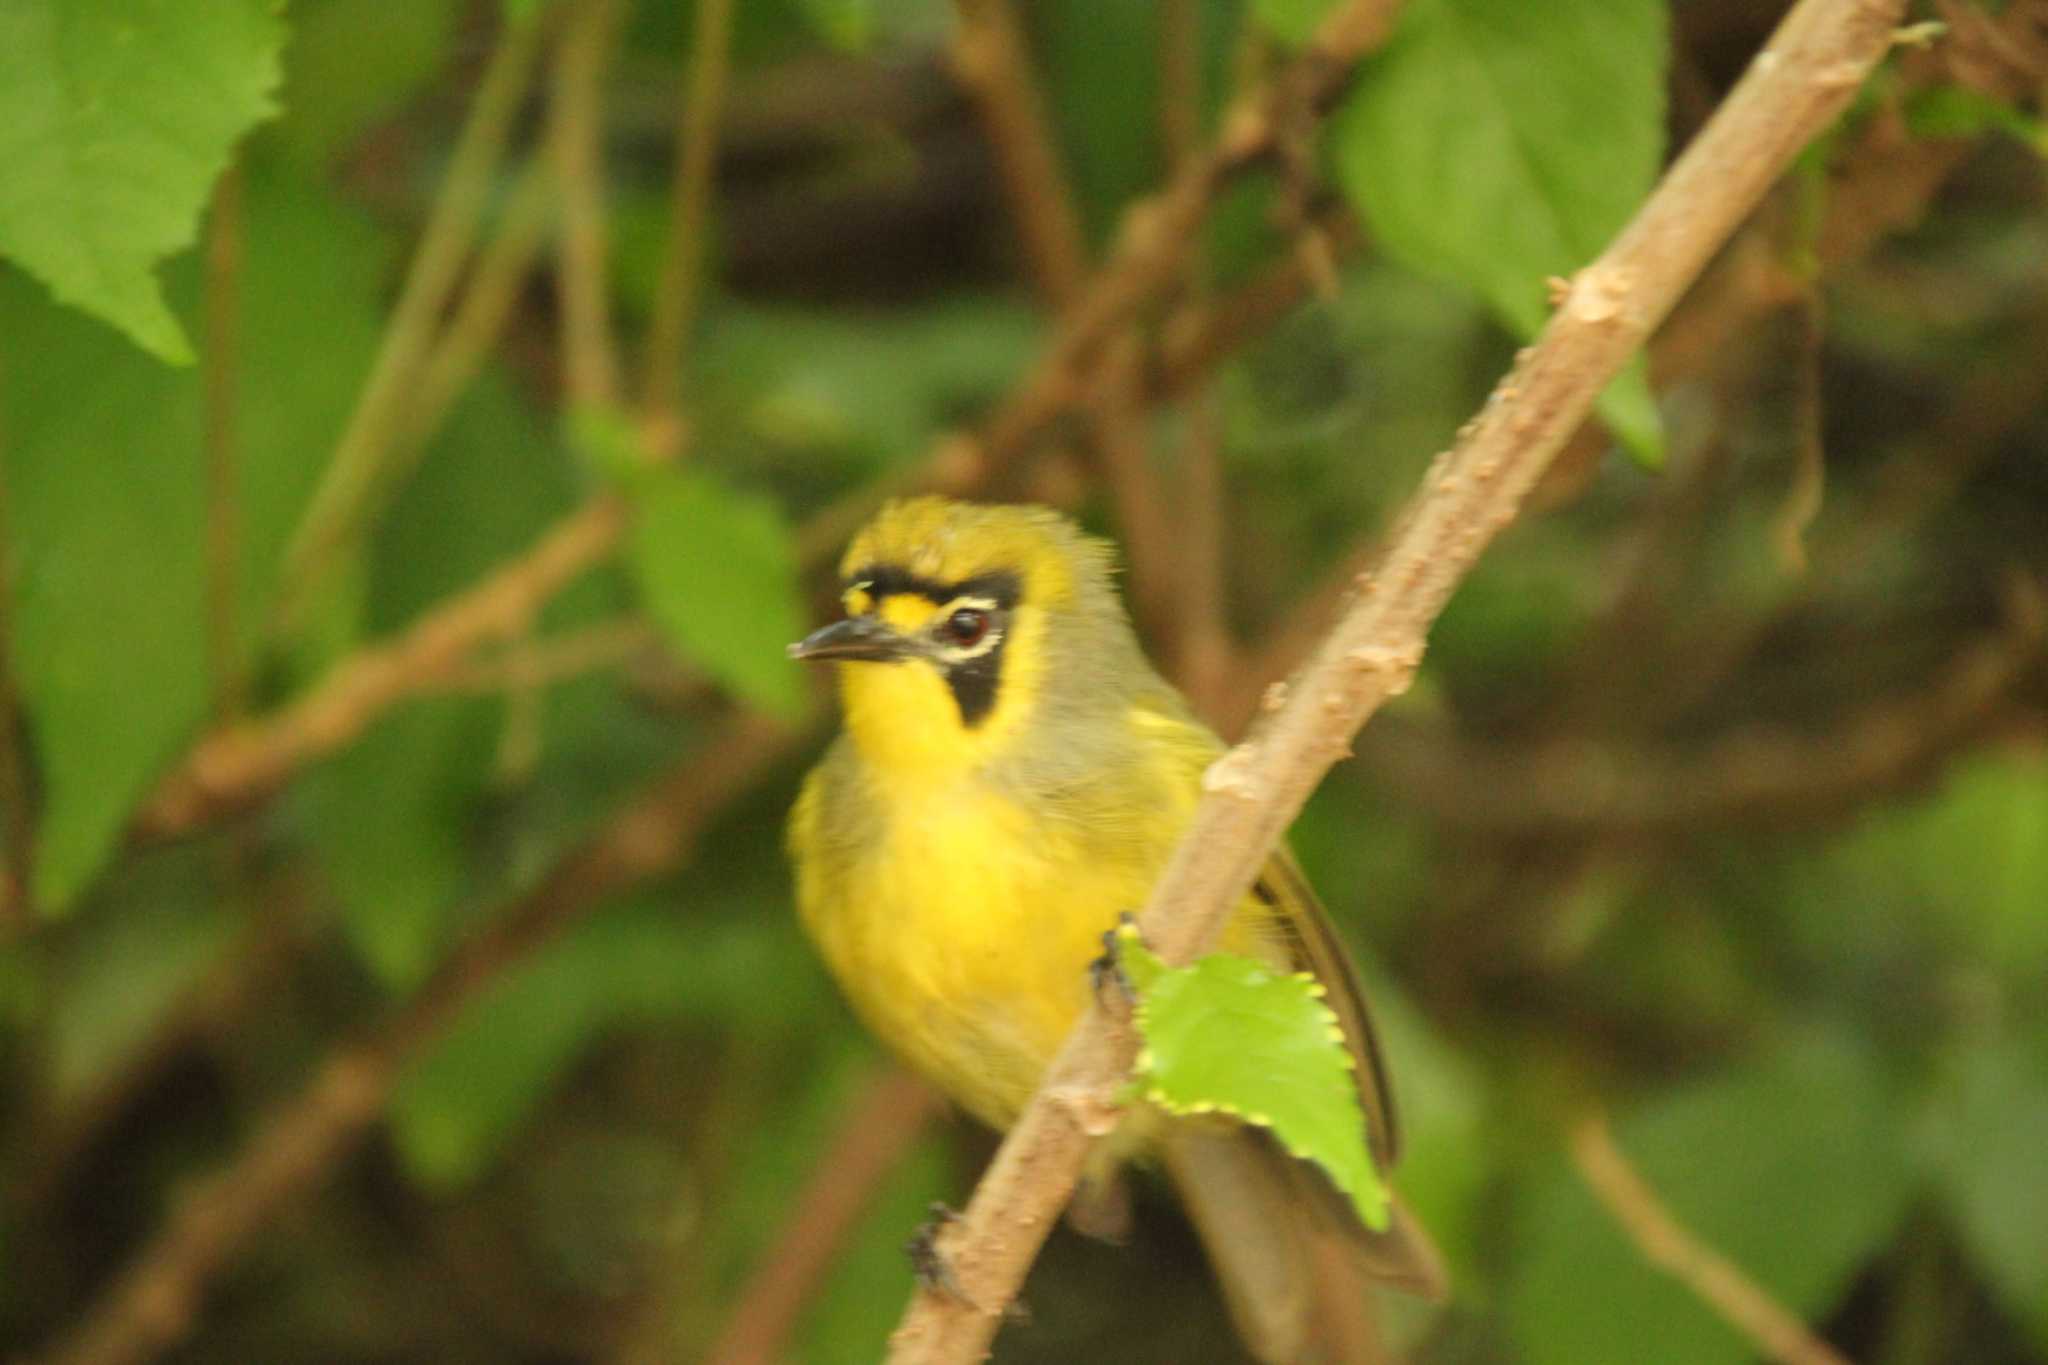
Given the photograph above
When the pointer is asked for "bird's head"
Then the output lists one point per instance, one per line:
(964, 624)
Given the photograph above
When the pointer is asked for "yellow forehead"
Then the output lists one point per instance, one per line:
(907, 611)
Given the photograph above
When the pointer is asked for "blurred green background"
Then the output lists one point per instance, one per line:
(404, 507)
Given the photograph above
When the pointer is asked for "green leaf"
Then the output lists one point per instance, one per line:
(391, 818)
(396, 818)
(1988, 1130)
(337, 82)
(107, 505)
(719, 573)
(115, 118)
(1500, 144)
(144, 941)
(1230, 1035)
(1794, 1167)
(1292, 21)
(638, 962)
(1954, 111)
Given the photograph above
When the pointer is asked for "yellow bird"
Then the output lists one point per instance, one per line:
(1012, 777)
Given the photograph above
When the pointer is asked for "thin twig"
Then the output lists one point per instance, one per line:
(1667, 1244)
(239, 764)
(590, 363)
(682, 260)
(990, 59)
(151, 1304)
(879, 1129)
(487, 300)
(1811, 67)
(356, 471)
(1208, 655)
(543, 663)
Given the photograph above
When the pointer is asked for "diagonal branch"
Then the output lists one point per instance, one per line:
(1806, 74)
(1666, 1244)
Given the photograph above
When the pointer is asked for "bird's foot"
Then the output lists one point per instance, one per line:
(1106, 973)
(934, 1270)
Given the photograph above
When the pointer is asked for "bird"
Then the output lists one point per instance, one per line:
(1010, 777)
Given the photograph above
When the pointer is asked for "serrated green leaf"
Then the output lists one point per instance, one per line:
(1500, 144)
(1793, 1166)
(115, 118)
(719, 573)
(1987, 1132)
(1230, 1035)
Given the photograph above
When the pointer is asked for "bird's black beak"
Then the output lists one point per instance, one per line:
(857, 637)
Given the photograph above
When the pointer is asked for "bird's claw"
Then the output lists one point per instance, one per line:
(1106, 973)
(934, 1272)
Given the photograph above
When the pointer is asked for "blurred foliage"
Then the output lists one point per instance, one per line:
(1723, 818)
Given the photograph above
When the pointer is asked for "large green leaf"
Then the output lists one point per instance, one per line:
(1794, 1167)
(718, 570)
(1499, 144)
(106, 490)
(115, 118)
(1229, 1035)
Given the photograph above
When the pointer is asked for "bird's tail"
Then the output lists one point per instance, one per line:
(1295, 1264)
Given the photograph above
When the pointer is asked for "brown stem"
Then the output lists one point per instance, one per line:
(881, 1125)
(236, 765)
(1811, 67)
(590, 363)
(1670, 1246)
(682, 260)
(487, 300)
(990, 58)
(152, 1303)
(357, 470)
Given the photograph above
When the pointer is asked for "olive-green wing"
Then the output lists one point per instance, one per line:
(1299, 921)
(1313, 944)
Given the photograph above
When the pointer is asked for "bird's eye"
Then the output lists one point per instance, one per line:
(964, 627)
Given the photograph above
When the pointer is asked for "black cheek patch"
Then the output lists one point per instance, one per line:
(974, 684)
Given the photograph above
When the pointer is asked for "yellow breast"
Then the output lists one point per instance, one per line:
(964, 934)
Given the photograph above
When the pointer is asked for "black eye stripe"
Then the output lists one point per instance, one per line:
(891, 580)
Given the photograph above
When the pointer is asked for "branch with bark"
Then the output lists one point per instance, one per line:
(1804, 77)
